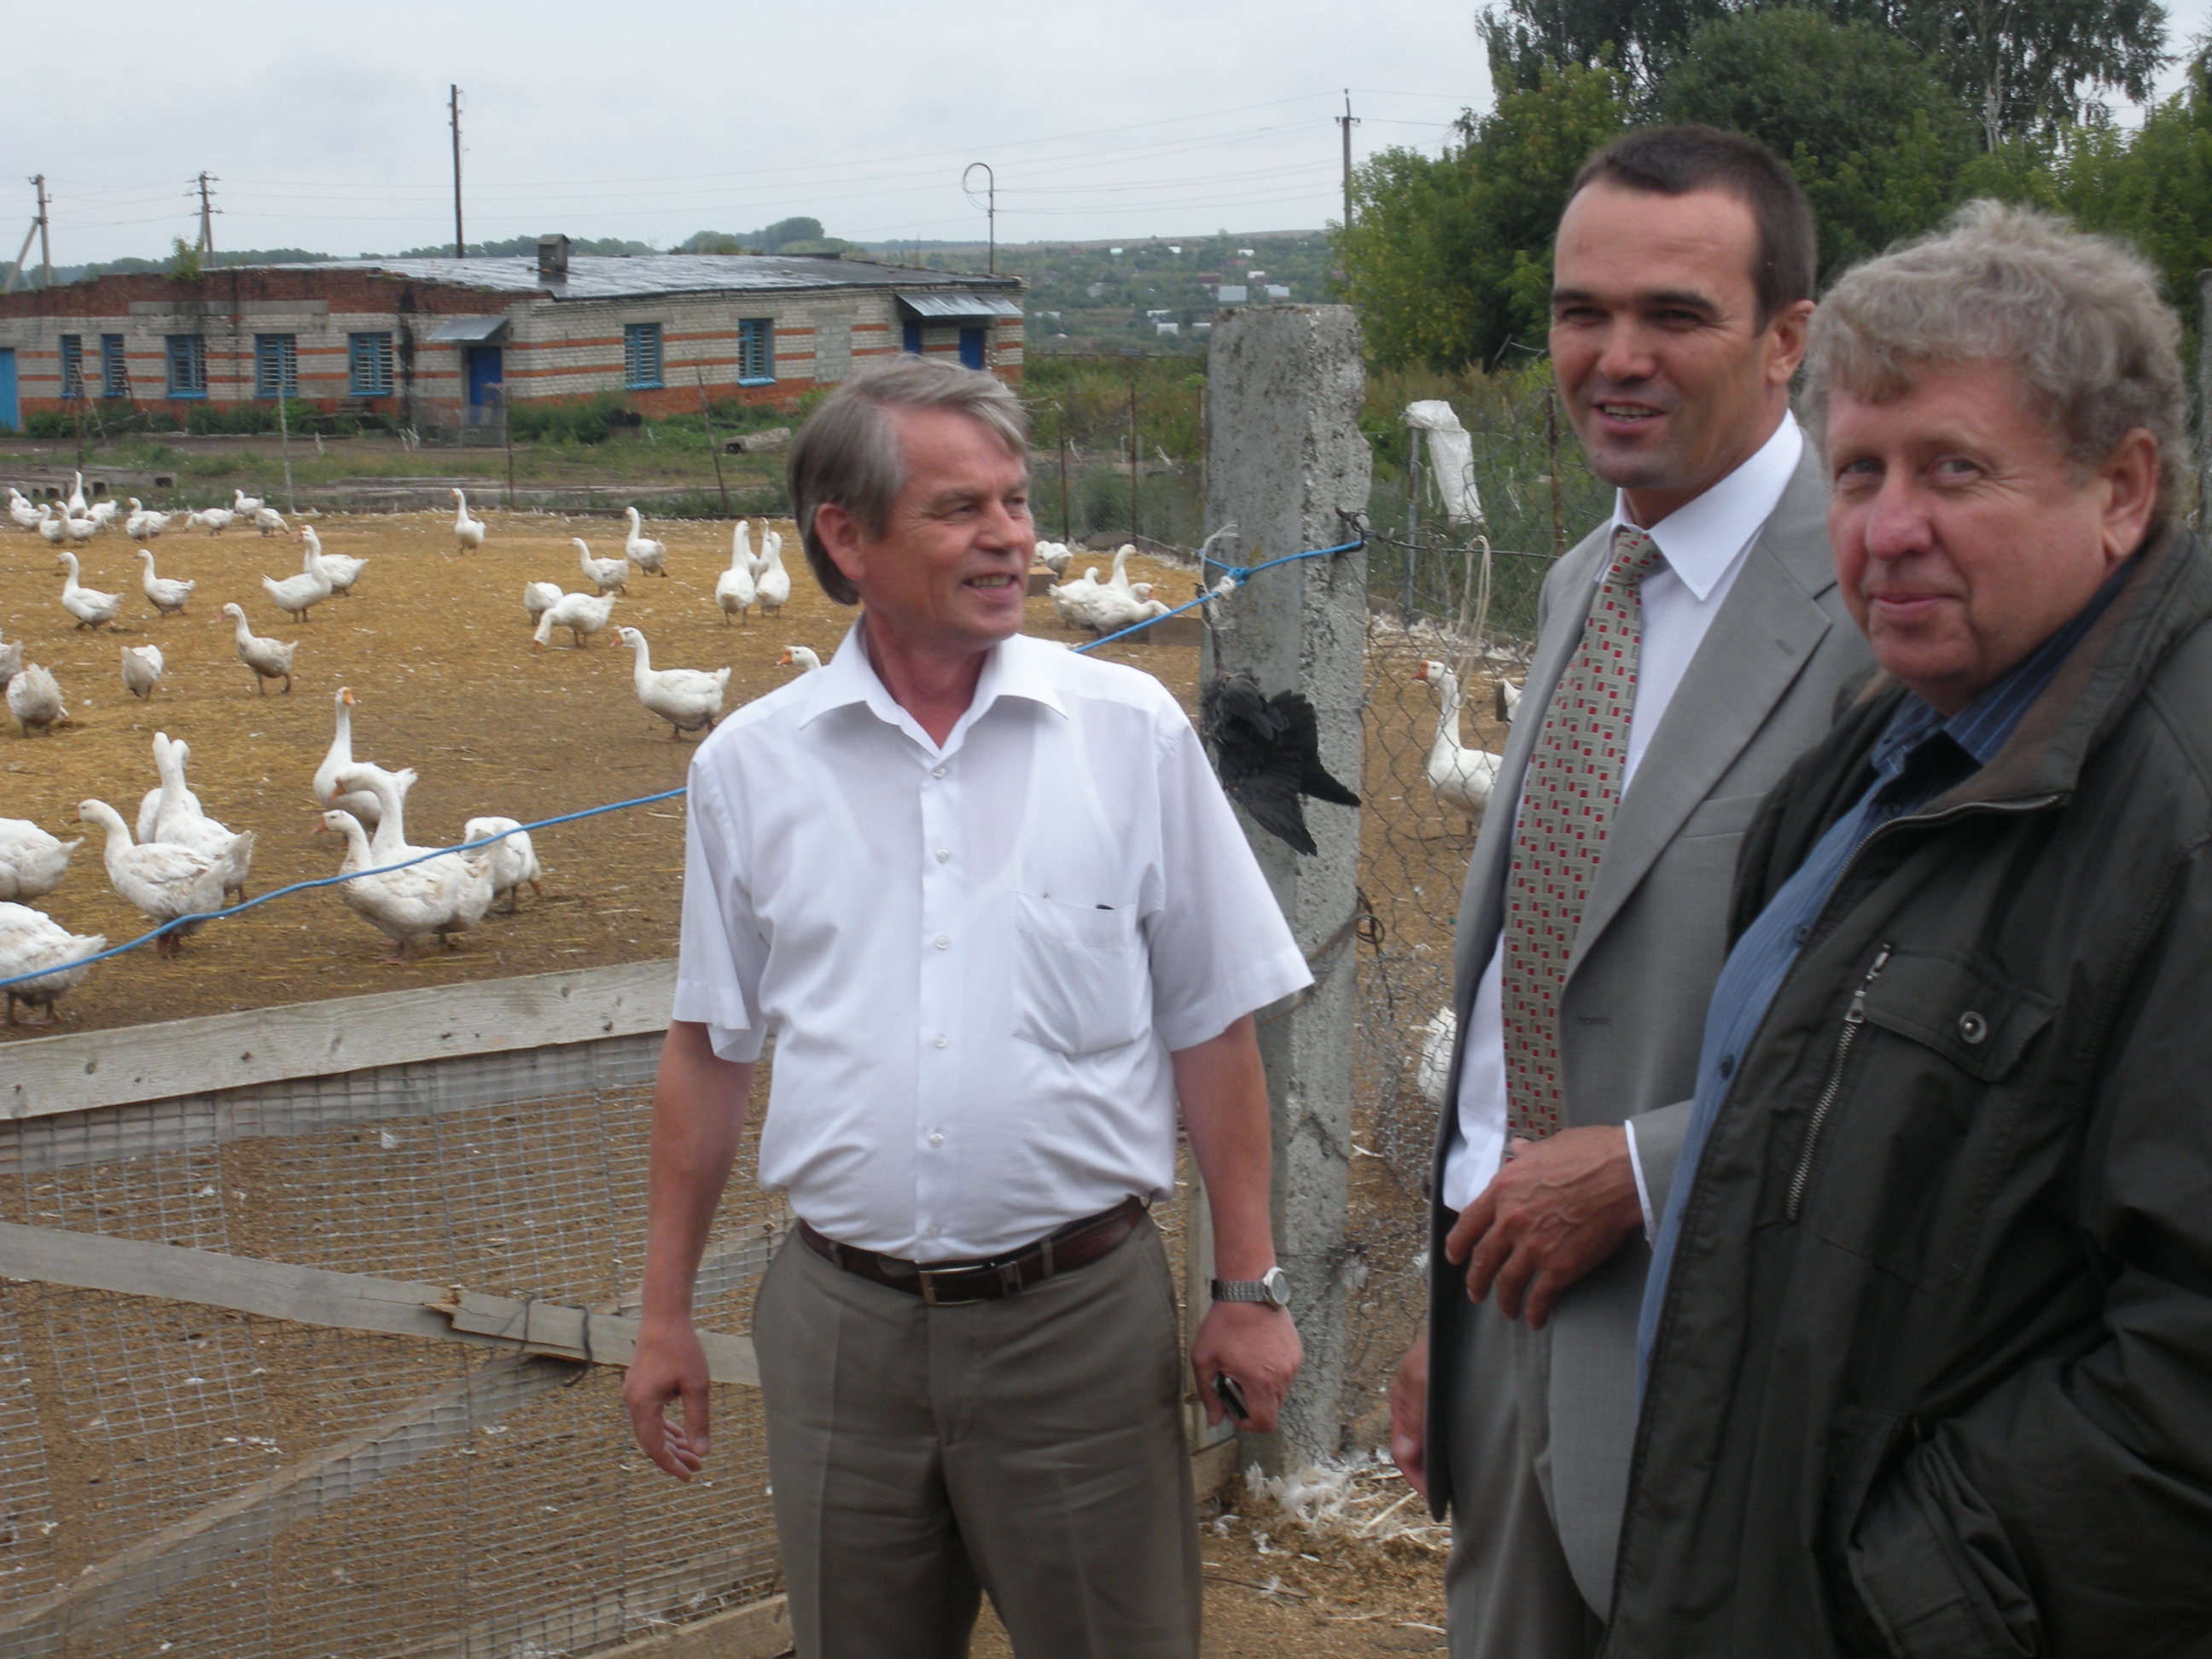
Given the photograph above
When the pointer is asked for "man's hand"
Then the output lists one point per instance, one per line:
(1409, 1416)
(668, 1365)
(1259, 1348)
(1556, 1209)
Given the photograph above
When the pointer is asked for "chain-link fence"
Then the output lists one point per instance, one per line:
(185, 1477)
(1452, 618)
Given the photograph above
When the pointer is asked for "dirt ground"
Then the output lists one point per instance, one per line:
(436, 648)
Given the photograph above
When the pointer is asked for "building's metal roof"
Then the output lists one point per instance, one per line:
(466, 328)
(959, 305)
(600, 276)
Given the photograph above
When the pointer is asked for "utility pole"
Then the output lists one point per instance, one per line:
(207, 217)
(991, 210)
(1346, 122)
(45, 246)
(38, 230)
(453, 113)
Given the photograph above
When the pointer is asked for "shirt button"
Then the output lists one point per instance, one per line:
(936, 771)
(1802, 932)
(935, 1138)
(940, 1040)
(1728, 1067)
(942, 943)
(943, 853)
(932, 1231)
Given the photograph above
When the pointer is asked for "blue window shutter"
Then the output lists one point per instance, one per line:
(756, 351)
(641, 355)
(114, 368)
(369, 361)
(72, 365)
(187, 365)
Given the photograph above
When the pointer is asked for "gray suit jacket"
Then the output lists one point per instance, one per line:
(1762, 687)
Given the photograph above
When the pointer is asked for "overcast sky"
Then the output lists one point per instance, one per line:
(326, 129)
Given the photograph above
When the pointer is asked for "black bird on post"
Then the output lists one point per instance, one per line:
(1267, 752)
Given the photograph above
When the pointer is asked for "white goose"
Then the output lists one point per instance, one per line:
(102, 515)
(465, 878)
(1462, 777)
(800, 657)
(35, 700)
(1119, 582)
(160, 880)
(296, 595)
(582, 614)
(91, 607)
(687, 698)
(417, 902)
(178, 820)
(76, 502)
(512, 859)
(608, 575)
(270, 522)
(180, 798)
(142, 669)
(30, 941)
(11, 660)
(735, 590)
(773, 586)
(269, 660)
(53, 527)
(641, 550)
(213, 519)
(340, 570)
(362, 803)
(244, 505)
(538, 597)
(164, 593)
(741, 547)
(1068, 598)
(1054, 556)
(468, 533)
(20, 510)
(32, 862)
(144, 523)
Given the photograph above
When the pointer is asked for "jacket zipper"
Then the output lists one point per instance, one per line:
(1854, 1017)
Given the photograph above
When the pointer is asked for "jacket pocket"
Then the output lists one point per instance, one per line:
(1926, 1125)
(1728, 815)
(1080, 979)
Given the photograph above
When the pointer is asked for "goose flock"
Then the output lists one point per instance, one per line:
(177, 862)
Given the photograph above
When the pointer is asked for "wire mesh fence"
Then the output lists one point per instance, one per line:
(184, 1479)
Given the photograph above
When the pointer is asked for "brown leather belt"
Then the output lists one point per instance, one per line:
(985, 1279)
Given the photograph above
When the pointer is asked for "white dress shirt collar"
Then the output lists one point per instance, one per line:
(1702, 539)
(1012, 668)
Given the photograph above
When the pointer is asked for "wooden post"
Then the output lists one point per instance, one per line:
(506, 437)
(284, 434)
(706, 425)
(1133, 455)
(1285, 458)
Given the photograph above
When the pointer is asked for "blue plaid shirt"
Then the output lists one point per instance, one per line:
(1919, 755)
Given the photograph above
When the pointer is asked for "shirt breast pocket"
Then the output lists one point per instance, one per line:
(1081, 982)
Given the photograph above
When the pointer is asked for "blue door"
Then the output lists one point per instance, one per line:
(910, 338)
(971, 347)
(487, 375)
(10, 417)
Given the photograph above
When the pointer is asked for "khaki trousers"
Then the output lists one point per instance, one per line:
(1509, 1593)
(1030, 1447)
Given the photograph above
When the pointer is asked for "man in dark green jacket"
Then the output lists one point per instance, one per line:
(1927, 1345)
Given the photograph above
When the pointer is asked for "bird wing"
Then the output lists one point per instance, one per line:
(1301, 736)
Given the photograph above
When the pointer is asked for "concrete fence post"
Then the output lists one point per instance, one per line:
(1283, 389)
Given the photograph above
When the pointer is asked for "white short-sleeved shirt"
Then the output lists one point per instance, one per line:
(975, 959)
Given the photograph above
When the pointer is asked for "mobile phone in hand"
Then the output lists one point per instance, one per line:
(1231, 1396)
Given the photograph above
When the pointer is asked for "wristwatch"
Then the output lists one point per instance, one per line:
(1273, 1287)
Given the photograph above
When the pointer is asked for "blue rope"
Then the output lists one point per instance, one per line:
(1240, 574)
(198, 917)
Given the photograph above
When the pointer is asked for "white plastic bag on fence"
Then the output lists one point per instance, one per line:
(1451, 459)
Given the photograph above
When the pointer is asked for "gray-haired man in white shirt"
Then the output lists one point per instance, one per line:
(989, 898)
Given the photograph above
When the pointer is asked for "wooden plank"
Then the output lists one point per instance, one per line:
(360, 1302)
(75, 1073)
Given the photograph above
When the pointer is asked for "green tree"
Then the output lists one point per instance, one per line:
(2020, 66)
(1449, 258)
(1875, 138)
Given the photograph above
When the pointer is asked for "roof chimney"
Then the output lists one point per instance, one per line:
(552, 258)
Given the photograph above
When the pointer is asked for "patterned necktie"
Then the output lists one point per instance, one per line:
(1567, 799)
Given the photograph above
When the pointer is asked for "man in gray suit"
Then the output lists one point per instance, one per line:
(1687, 651)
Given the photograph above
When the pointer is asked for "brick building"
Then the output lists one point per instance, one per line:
(437, 342)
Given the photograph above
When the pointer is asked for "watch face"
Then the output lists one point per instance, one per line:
(1276, 1283)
